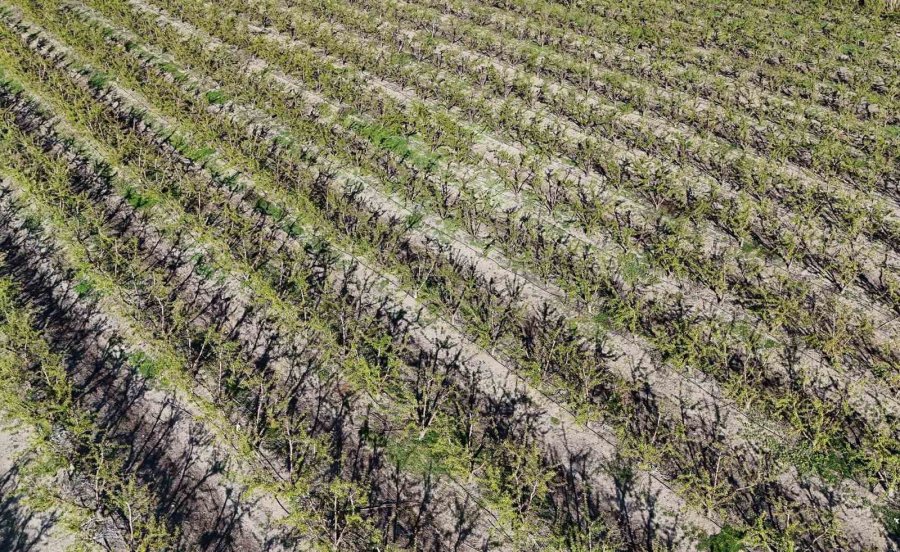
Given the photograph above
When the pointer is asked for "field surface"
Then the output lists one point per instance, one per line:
(512, 275)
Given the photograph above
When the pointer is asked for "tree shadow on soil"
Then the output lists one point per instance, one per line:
(159, 445)
(20, 529)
